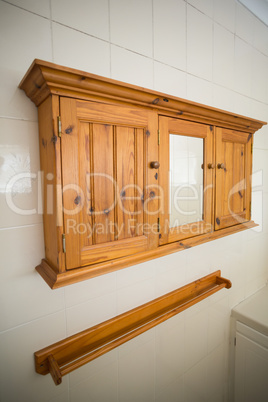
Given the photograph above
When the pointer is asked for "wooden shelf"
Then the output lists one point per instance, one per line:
(73, 352)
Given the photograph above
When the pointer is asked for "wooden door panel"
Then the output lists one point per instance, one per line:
(105, 186)
(238, 199)
(110, 114)
(233, 183)
(73, 194)
(126, 177)
(116, 249)
(174, 126)
(85, 184)
(227, 176)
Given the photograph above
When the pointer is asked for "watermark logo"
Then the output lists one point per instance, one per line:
(186, 204)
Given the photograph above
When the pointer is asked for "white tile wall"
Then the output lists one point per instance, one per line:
(199, 90)
(216, 371)
(89, 290)
(136, 374)
(224, 13)
(174, 392)
(24, 37)
(218, 320)
(261, 139)
(93, 312)
(92, 54)
(206, 6)
(259, 109)
(19, 153)
(223, 98)
(131, 25)
(195, 382)
(260, 163)
(196, 336)
(133, 295)
(39, 7)
(88, 370)
(135, 274)
(131, 67)
(223, 57)
(22, 296)
(170, 32)
(245, 23)
(169, 80)
(259, 75)
(102, 385)
(199, 44)
(91, 17)
(18, 380)
(241, 104)
(212, 52)
(170, 272)
(169, 358)
(243, 66)
(260, 40)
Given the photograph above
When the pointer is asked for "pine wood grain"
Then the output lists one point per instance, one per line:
(70, 179)
(71, 353)
(103, 203)
(125, 159)
(56, 280)
(111, 128)
(43, 78)
(104, 152)
(233, 183)
(50, 161)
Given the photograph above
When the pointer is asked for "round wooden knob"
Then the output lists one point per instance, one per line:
(211, 166)
(221, 166)
(154, 165)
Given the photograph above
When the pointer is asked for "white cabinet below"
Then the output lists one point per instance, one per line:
(251, 349)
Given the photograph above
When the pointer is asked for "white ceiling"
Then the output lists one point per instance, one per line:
(257, 7)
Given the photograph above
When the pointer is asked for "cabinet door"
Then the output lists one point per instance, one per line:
(109, 196)
(233, 177)
(186, 178)
(251, 369)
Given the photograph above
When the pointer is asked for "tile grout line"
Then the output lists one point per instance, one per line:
(24, 9)
(153, 59)
(110, 42)
(22, 226)
(31, 321)
(254, 15)
(186, 47)
(18, 118)
(51, 31)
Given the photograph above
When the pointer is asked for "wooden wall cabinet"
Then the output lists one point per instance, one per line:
(107, 150)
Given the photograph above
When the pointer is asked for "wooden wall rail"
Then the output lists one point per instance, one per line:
(73, 352)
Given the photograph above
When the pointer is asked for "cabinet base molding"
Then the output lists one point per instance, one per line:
(56, 280)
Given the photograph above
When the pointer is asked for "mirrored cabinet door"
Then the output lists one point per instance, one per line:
(187, 170)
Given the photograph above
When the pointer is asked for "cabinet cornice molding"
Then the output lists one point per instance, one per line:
(45, 78)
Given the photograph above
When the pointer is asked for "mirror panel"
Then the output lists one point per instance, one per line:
(186, 156)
